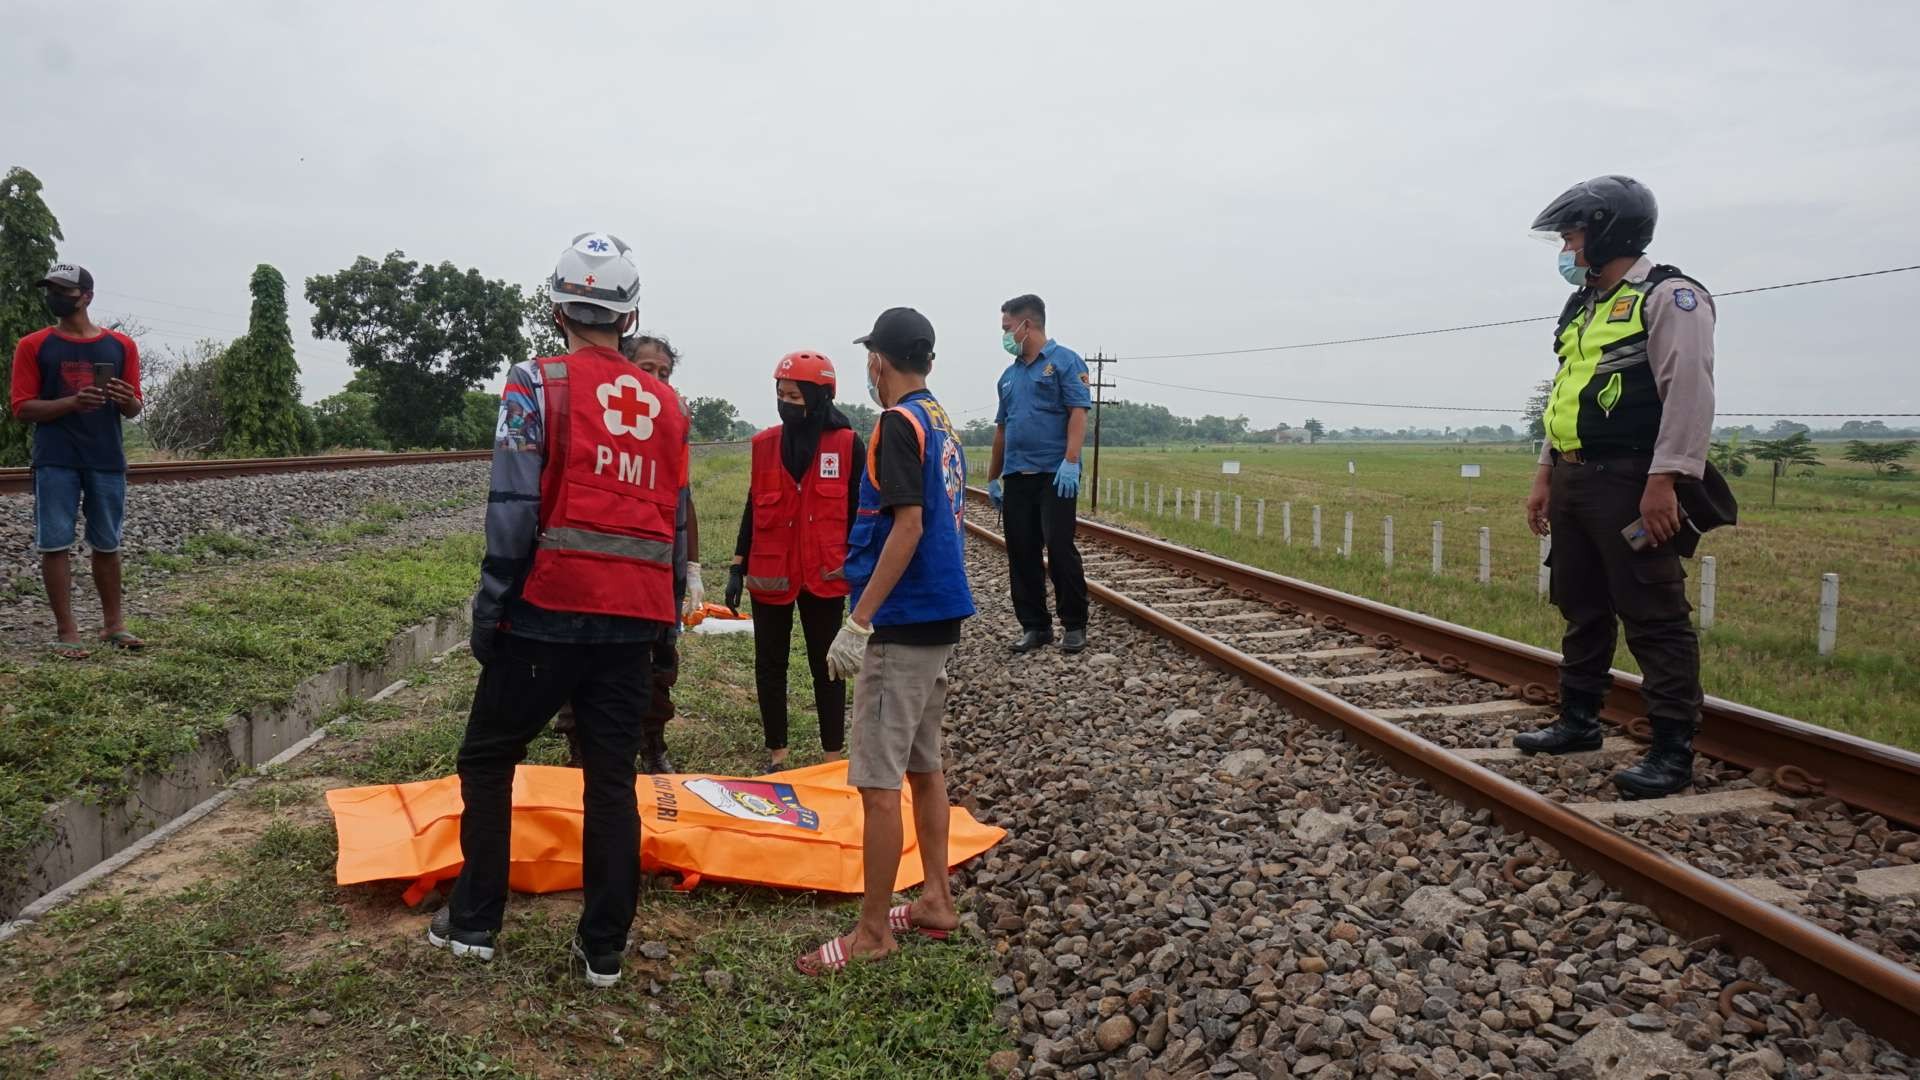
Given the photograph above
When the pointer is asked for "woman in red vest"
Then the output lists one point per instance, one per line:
(793, 540)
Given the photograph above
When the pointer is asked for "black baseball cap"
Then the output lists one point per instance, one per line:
(68, 276)
(896, 331)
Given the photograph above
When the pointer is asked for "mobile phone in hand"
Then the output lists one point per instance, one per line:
(1636, 535)
(102, 374)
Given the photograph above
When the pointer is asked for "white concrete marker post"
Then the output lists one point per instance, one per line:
(1129, 493)
(1386, 541)
(1316, 526)
(1709, 581)
(1259, 517)
(1236, 513)
(1286, 523)
(1160, 502)
(1546, 572)
(1216, 509)
(1196, 506)
(1829, 611)
(1346, 537)
(1176, 501)
(1436, 547)
(1486, 555)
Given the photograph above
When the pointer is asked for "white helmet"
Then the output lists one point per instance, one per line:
(595, 281)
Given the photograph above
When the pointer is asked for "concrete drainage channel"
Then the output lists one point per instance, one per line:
(89, 840)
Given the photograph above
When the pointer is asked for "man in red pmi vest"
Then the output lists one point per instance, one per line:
(576, 587)
(792, 542)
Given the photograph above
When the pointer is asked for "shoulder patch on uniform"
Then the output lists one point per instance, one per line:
(554, 369)
(1084, 381)
(1685, 299)
(1623, 308)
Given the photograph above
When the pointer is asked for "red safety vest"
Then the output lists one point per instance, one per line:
(616, 460)
(799, 530)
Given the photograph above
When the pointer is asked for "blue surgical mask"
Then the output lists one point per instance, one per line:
(874, 392)
(1575, 274)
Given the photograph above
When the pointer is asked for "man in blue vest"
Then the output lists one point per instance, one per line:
(906, 564)
(1627, 427)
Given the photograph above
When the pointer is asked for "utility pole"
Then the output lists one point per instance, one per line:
(1099, 362)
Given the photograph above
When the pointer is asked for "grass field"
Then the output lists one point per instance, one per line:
(1761, 650)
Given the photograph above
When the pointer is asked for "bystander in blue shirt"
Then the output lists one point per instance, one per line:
(1036, 401)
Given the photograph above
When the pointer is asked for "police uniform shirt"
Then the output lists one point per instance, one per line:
(1680, 320)
(1037, 398)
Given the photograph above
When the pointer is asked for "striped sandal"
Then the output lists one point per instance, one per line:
(828, 959)
(900, 921)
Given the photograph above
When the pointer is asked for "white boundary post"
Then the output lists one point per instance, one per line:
(1216, 509)
(1829, 611)
(1259, 517)
(1346, 537)
(1709, 582)
(1286, 523)
(1386, 541)
(1486, 555)
(1436, 546)
(1176, 502)
(1316, 527)
(1236, 513)
(1160, 502)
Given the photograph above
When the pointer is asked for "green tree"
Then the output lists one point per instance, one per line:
(345, 421)
(29, 235)
(1534, 415)
(979, 432)
(536, 321)
(473, 428)
(1795, 449)
(1881, 456)
(181, 388)
(860, 415)
(1729, 456)
(427, 333)
(743, 430)
(712, 418)
(259, 377)
(1315, 429)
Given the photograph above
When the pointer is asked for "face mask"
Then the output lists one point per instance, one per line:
(62, 305)
(1007, 343)
(791, 413)
(1576, 275)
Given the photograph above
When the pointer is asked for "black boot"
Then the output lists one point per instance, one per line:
(1667, 768)
(653, 751)
(1577, 729)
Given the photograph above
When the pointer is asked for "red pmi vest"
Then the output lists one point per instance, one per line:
(799, 530)
(616, 460)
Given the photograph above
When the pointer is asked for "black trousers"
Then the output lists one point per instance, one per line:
(609, 686)
(772, 633)
(1597, 578)
(1038, 520)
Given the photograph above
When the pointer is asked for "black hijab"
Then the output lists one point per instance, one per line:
(800, 439)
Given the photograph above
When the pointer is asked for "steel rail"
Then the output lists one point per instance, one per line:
(1851, 981)
(1881, 779)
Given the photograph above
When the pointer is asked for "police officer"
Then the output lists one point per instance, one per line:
(801, 498)
(1627, 424)
(1034, 477)
(576, 587)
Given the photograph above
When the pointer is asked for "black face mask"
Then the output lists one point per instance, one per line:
(791, 413)
(62, 305)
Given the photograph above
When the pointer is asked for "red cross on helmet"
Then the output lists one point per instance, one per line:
(805, 366)
(595, 280)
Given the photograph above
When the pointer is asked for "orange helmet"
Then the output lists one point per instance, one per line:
(805, 366)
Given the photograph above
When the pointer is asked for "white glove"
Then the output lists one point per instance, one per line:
(849, 648)
(696, 591)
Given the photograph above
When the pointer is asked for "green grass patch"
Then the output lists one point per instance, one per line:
(1760, 651)
(243, 642)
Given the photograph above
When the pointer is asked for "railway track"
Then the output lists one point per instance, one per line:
(1796, 845)
(20, 481)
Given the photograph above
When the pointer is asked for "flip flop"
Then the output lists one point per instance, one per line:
(69, 650)
(900, 921)
(828, 959)
(122, 639)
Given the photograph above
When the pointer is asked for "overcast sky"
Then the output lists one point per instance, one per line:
(1170, 178)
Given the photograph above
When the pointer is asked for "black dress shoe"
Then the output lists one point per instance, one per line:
(1031, 640)
(1074, 640)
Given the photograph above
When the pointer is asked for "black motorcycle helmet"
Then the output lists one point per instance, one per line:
(1618, 213)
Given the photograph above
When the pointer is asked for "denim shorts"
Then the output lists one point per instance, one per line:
(60, 495)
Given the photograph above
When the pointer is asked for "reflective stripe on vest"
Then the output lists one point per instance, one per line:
(767, 584)
(600, 543)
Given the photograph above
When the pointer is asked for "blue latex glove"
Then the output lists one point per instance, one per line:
(1066, 479)
(994, 492)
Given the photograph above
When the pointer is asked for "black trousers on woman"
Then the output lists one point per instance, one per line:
(772, 633)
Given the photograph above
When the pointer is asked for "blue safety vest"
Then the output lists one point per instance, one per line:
(934, 586)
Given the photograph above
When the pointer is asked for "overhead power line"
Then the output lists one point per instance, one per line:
(1489, 325)
(1491, 409)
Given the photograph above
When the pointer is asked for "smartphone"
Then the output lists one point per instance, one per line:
(102, 374)
(1636, 534)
